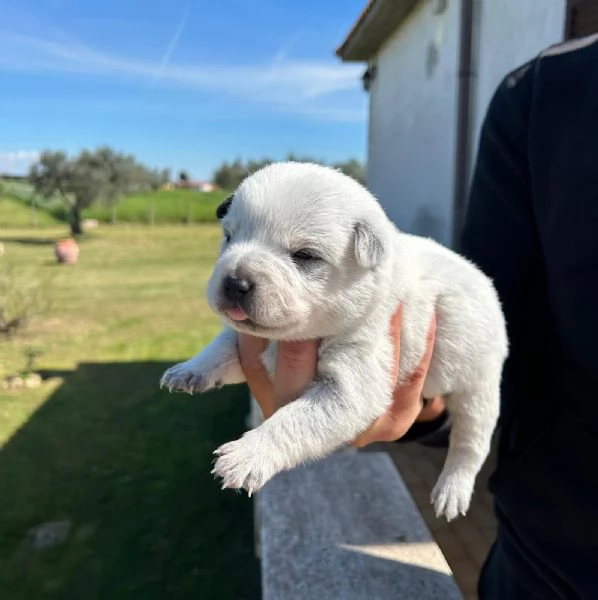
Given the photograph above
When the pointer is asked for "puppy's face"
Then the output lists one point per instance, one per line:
(298, 260)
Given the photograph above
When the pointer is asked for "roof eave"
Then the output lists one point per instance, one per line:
(377, 22)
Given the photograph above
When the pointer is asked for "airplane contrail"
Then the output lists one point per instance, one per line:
(172, 45)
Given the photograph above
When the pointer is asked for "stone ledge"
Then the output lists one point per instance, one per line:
(346, 528)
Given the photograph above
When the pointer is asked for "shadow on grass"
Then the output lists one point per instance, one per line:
(32, 241)
(128, 465)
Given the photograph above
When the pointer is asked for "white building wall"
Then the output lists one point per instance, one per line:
(511, 32)
(413, 108)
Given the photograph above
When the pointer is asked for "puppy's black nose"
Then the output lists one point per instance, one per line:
(235, 288)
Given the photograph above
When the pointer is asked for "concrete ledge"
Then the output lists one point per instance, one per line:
(346, 528)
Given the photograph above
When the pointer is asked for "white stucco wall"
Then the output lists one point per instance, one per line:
(412, 122)
(511, 32)
(413, 110)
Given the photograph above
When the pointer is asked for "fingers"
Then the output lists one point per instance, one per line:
(416, 379)
(409, 395)
(432, 410)
(407, 400)
(258, 381)
(295, 369)
(396, 323)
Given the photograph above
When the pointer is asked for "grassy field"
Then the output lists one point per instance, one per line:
(100, 446)
(14, 213)
(173, 206)
(159, 207)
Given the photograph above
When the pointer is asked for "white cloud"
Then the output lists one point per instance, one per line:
(293, 85)
(17, 162)
(333, 114)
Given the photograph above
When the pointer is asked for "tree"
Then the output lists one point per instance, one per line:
(229, 176)
(102, 175)
(159, 177)
(184, 177)
(164, 176)
(222, 177)
(352, 168)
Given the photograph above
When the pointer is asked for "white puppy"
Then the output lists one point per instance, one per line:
(309, 253)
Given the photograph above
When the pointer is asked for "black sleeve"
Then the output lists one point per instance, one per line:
(500, 236)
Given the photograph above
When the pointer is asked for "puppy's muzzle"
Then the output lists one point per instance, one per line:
(236, 290)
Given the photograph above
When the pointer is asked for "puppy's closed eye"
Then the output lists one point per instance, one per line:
(304, 256)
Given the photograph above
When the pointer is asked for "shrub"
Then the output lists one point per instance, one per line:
(20, 300)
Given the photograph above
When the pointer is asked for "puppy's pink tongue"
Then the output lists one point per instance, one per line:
(236, 314)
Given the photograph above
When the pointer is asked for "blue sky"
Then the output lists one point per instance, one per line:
(179, 83)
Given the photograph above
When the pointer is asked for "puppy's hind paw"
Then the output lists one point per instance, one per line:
(451, 496)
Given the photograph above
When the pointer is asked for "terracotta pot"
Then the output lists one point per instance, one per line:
(67, 251)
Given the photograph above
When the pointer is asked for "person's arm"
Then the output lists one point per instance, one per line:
(501, 238)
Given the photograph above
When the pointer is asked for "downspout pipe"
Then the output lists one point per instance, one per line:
(465, 142)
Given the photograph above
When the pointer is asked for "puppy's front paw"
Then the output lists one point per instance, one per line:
(451, 495)
(191, 377)
(245, 463)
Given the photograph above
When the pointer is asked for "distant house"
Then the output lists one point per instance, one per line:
(431, 69)
(203, 186)
(199, 186)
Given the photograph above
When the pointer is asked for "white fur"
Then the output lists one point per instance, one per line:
(368, 269)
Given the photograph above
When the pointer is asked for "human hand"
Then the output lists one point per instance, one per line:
(296, 368)
(296, 364)
(407, 403)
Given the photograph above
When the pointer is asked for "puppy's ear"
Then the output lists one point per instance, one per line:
(223, 208)
(369, 249)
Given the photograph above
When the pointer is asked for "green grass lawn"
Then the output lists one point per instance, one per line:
(101, 446)
(172, 206)
(14, 213)
(159, 207)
